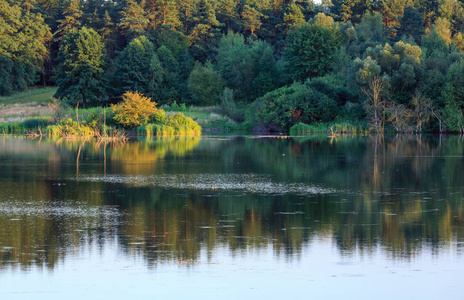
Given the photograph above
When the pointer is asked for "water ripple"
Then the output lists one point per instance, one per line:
(252, 183)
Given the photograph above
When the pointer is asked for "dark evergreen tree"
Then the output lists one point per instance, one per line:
(410, 25)
(205, 33)
(133, 20)
(72, 19)
(138, 69)
(81, 68)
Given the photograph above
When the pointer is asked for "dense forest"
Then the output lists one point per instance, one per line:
(394, 64)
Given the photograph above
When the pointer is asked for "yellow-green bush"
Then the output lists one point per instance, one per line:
(134, 110)
(177, 124)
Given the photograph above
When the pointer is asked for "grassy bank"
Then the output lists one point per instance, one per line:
(32, 95)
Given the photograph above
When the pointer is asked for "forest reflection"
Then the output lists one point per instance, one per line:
(401, 194)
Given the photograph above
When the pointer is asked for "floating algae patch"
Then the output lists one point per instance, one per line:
(251, 183)
(18, 210)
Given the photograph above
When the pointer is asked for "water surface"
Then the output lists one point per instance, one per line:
(230, 217)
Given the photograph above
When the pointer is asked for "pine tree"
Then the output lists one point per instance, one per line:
(293, 18)
(205, 33)
(108, 33)
(163, 13)
(186, 9)
(251, 19)
(133, 20)
(410, 24)
(72, 19)
(227, 14)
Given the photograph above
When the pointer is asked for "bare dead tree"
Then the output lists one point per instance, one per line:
(421, 111)
(399, 116)
(375, 104)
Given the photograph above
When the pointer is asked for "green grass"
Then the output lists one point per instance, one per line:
(36, 95)
(29, 125)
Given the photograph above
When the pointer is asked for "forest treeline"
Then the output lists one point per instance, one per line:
(394, 64)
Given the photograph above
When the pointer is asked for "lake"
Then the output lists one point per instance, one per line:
(232, 217)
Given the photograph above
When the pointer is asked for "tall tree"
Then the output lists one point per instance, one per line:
(392, 10)
(310, 50)
(442, 27)
(81, 68)
(133, 20)
(138, 69)
(163, 13)
(293, 17)
(72, 18)
(23, 35)
(108, 33)
(205, 32)
(351, 10)
(251, 19)
(410, 24)
(205, 84)
(228, 14)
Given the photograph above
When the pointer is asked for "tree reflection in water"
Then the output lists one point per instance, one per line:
(401, 194)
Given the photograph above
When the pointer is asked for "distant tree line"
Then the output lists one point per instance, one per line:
(395, 63)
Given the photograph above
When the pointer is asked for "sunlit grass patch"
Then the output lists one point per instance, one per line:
(32, 95)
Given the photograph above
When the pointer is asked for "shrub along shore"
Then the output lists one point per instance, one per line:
(135, 115)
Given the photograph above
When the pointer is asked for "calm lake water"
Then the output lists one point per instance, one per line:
(232, 218)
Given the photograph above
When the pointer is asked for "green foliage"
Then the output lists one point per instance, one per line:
(133, 19)
(294, 17)
(250, 70)
(138, 69)
(205, 31)
(134, 110)
(434, 45)
(453, 95)
(72, 19)
(159, 48)
(205, 84)
(229, 108)
(251, 19)
(310, 50)
(158, 117)
(411, 24)
(177, 124)
(183, 125)
(288, 106)
(399, 65)
(324, 20)
(370, 31)
(23, 38)
(81, 68)
(174, 40)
